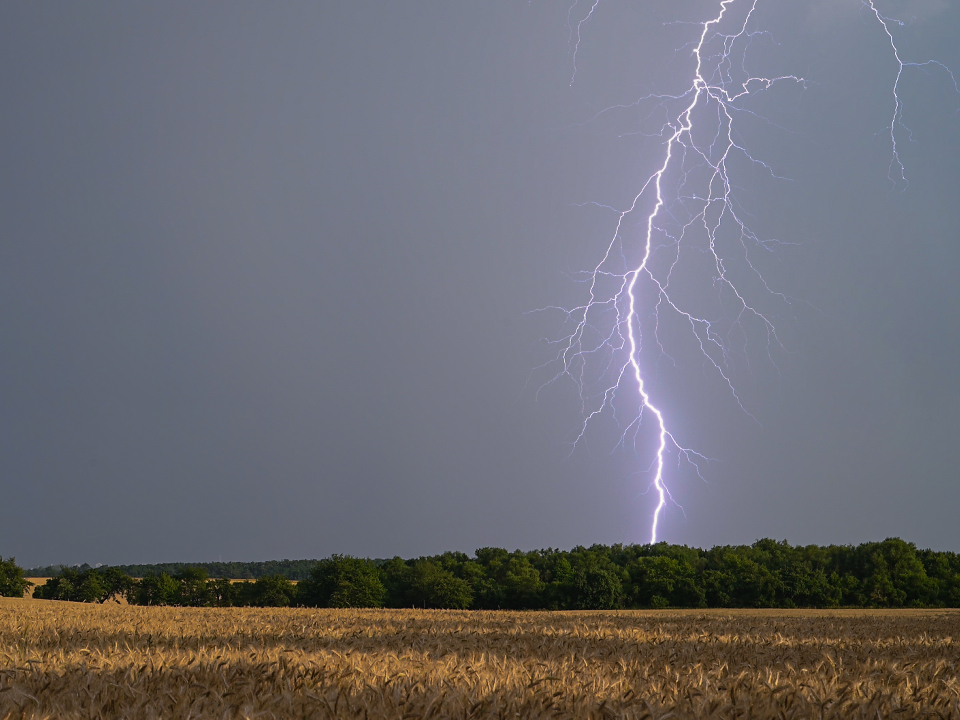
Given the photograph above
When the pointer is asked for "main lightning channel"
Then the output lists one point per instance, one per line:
(713, 204)
(685, 126)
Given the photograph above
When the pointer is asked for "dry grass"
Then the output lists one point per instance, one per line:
(67, 660)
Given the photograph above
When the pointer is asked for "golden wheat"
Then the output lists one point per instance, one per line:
(65, 660)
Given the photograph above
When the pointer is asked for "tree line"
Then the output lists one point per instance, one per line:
(290, 569)
(768, 573)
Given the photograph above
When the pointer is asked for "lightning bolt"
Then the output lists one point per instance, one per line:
(690, 210)
(896, 173)
(576, 32)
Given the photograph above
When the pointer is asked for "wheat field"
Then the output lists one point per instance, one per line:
(66, 660)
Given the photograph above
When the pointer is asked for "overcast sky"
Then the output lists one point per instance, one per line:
(265, 274)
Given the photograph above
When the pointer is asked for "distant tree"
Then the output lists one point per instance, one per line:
(943, 570)
(155, 590)
(12, 581)
(596, 588)
(222, 592)
(87, 584)
(558, 595)
(116, 584)
(804, 587)
(431, 586)
(395, 577)
(58, 587)
(342, 581)
(897, 577)
(273, 591)
(664, 581)
(192, 588)
(489, 592)
(505, 580)
(734, 579)
(47, 591)
(523, 587)
(597, 582)
(291, 569)
(43, 571)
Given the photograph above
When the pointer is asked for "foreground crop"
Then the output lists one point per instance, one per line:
(69, 660)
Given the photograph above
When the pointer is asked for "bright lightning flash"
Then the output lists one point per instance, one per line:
(690, 215)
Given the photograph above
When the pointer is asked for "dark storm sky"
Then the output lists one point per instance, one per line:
(264, 270)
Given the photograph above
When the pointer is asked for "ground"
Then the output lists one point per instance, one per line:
(70, 660)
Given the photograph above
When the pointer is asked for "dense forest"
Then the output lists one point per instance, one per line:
(773, 574)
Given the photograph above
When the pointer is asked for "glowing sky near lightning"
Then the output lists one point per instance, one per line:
(270, 273)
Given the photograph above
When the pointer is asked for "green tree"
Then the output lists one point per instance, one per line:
(734, 579)
(558, 594)
(342, 581)
(509, 580)
(12, 581)
(943, 569)
(193, 589)
(94, 585)
(223, 593)
(115, 583)
(273, 591)
(596, 588)
(55, 588)
(431, 586)
(810, 588)
(896, 576)
(394, 575)
(489, 593)
(663, 581)
(155, 590)
(522, 584)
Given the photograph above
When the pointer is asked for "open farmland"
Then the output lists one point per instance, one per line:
(71, 660)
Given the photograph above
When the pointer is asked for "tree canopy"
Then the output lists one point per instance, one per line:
(12, 580)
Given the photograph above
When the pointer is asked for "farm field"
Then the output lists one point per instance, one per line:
(70, 660)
